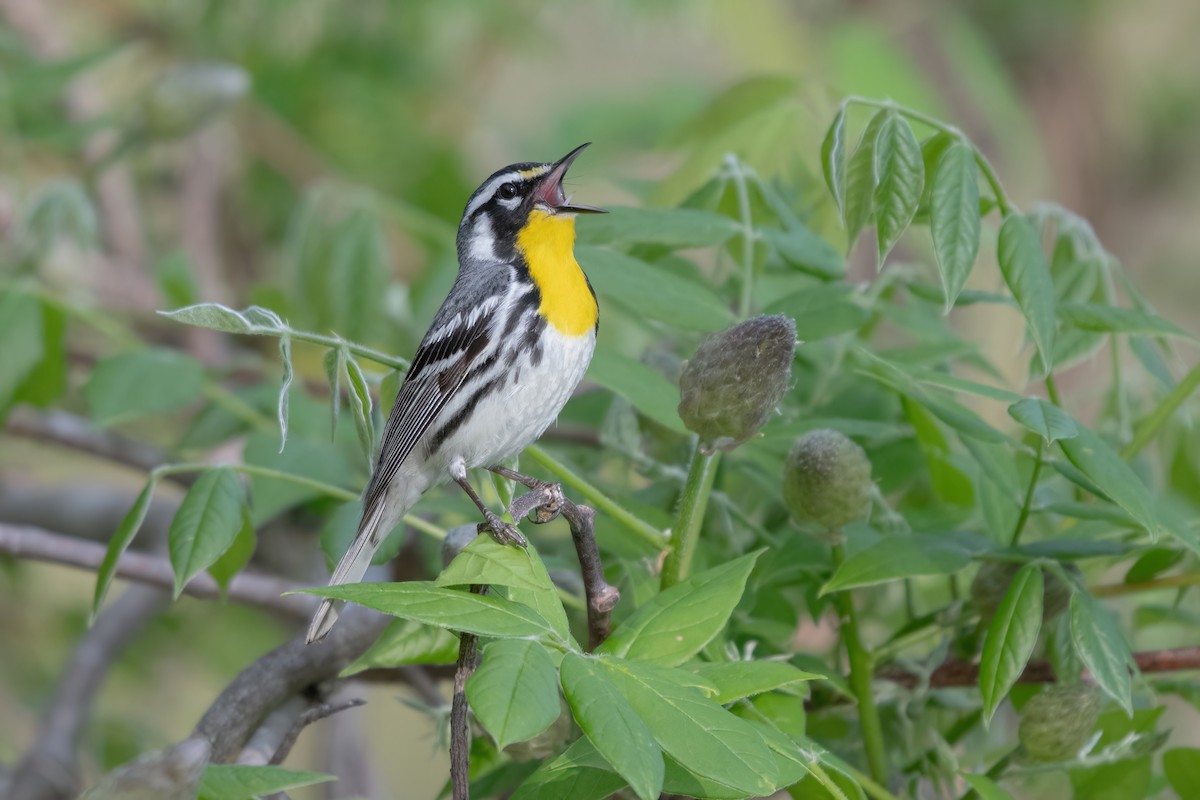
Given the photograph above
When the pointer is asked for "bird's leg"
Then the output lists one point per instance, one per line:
(503, 532)
(544, 496)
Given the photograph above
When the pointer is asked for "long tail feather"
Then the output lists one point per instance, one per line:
(351, 568)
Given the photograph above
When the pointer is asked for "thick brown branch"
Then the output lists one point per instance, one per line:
(246, 587)
(286, 671)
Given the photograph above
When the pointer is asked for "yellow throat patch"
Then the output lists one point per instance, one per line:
(548, 244)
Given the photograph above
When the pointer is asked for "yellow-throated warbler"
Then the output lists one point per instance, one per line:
(506, 349)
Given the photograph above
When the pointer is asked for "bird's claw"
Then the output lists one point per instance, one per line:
(503, 532)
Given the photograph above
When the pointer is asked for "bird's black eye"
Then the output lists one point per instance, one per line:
(508, 191)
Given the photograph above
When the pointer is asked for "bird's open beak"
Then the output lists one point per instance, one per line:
(550, 191)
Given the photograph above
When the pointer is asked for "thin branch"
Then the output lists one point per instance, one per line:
(68, 430)
(966, 673)
(460, 724)
(308, 718)
(246, 587)
(49, 771)
(602, 597)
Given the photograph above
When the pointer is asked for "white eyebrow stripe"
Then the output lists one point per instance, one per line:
(488, 190)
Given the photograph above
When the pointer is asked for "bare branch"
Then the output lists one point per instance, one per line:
(602, 597)
(246, 587)
(966, 673)
(49, 770)
(308, 718)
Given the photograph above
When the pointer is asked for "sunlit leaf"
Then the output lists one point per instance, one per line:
(899, 176)
(954, 217)
(407, 642)
(1027, 274)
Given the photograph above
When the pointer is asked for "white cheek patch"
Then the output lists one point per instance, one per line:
(483, 240)
(510, 203)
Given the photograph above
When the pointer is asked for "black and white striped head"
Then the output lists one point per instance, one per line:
(499, 208)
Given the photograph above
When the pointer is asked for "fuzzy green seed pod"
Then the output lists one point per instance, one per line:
(994, 577)
(736, 379)
(186, 97)
(827, 479)
(1057, 723)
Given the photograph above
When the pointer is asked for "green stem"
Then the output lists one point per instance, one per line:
(747, 233)
(1025, 506)
(692, 506)
(873, 789)
(860, 678)
(1153, 423)
(645, 531)
(338, 343)
(1052, 390)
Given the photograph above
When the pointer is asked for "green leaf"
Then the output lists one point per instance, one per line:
(1103, 467)
(737, 679)
(237, 556)
(285, 386)
(1101, 647)
(206, 524)
(985, 787)
(119, 543)
(444, 608)
(253, 320)
(147, 381)
(1182, 766)
(899, 176)
(407, 642)
(805, 251)
(640, 384)
(47, 381)
(335, 365)
(1100, 318)
(242, 782)
(360, 408)
(580, 773)
(21, 341)
(669, 227)
(860, 181)
(1011, 637)
(674, 625)
(833, 159)
(653, 293)
(1043, 418)
(954, 217)
(542, 595)
(612, 726)
(906, 556)
(1152, 563)
(1027, 274)
(514, 693)
(484, 560)
(702, 736)
(822, 311)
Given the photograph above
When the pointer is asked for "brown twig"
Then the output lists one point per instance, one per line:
(966, 673)
(460, 725)
(250, 588)
(68, 430)
(602, 597)
(49, 770)
(308, 718)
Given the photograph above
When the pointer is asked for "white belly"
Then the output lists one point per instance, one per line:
(516, 414)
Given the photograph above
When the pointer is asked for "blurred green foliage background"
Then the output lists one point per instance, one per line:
(366, 125)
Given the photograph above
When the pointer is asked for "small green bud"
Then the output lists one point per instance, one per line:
(736, 379)
(1056, 724)
(994, 577)
(827, 479)
(186, 97)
